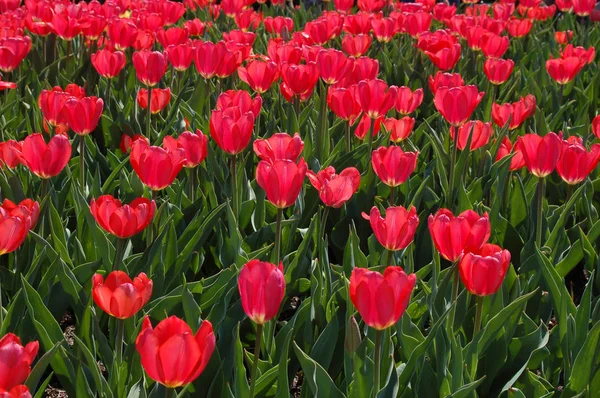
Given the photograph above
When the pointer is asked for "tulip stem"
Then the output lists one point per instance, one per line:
(119, 341)
(169, 392)
(150, 235)
(454, 296)
(192, 186)
(392, 196)
(119, 251)
(451, 183)
(82, 163)
(234, 185)
(540, 204)
(389, 258)
(259, 329)
(149, 112)
(107, 95)
(348, 138)
(377, 362)
(322, 133)
(278, 236)
(478, 313)
(371, 133)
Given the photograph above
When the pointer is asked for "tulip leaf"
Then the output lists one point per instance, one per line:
(283, 390)
(40, 367)
(586, 365)
(241, 387)
(316, 377)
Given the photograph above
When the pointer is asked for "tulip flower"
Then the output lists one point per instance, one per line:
(595, 127)
(108, 63)
(408, 101)
(13, 51)
(482, 271)
(282, 180)
(333, 65)
(399, 129)
(392, 165)
(563, 37)
(231, 129)
(446, 57)
(172, 36)
(262, 288)
(20, 391)
(119, 296)
(505, 149)
(28, 210)
(7, 85)
(10, 153)
(417, 23)
(150, 66)
(498, 70)
(127, 141)
(51, 103)
(276, 25)
(540, 153)
(160, 99)
(344, 103)
(575, 163)
(15, 360)
(123, 221)
(453, 235)
(83, 114)
(365, 68)
(195, 146)
(384, 29)
(583, 8)
(519, 27)
(586, 55)
(171, 354)
(478, 131)
(516, 112)
(335, 189)
(397, 230)
(356, 45)
(240, 99)
(563, 70)
(493, 45)
(279, 146)
(122, 32)
(259, 75)
(456, 104)
(13, 231)
(300, 79)
(45, 160)
(180, 56)
(565, 6)
(442, 79)
(155, 166)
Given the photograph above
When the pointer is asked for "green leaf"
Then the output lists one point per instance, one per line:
(242, 390)
(40, 367)
(585, 365)
(316, 377)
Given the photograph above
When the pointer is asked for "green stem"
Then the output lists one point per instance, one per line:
(107, 95)
(119, 251)
(377, 362)
(478, 313)
(540, 203)
(259, 329)
(149, 112)
(410, 266)
(348, 138)
(151, 227)
(322, 133)
(278, 236)
(1, 308)
(120, 341)
(193, 183)
(389, 258)
(169, 392)
(452, 173)
(371, 132)
(392, 196)
(82, 163)
(234, 185)
(455, 284)
(296, 100)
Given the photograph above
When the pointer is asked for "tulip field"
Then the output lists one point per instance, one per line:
(335, 199)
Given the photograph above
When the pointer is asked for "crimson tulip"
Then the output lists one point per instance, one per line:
(356, 45)
(180, 56)
(563, 37)
(397, 230)
(13, 231)
(381, 299)
(108, 63)
(231, 129)
(120, 220)
(442, 79)
(300, 79)
(195, 27)
(15, 360)
(335, 189)
(171, 354)
(575, 163)
(456, 104)
(20, 391)
(119, 296)
(279, 146)
(262, 288)
(392, 165)
(519, 27)
(375, 97)
(505, 149)
(479, 132)
(383, 29)
(160, 99)
(282, 180)
(540, 153)
(172, 36)
(28, 210)
(493, 45)
(583, 8)
(45, 160)
(259, 75)
(595, 127)
(240, 99)
(150, 66)
(498, 70)
(155, 166)
(407, 101)
(333, 65)
(13, 51)
(122, 32)
(417, 23)
(399, 129)
(344, 103)
(453, 235)
(207, 58)
(563, 70)
(7, 85)
(127, 141)
(83, 114)
(586, 55)
(565, 6)
(276, 25)
(195, 146)
(10, 153)
(516, 112)
(52, 103)
(482, 271)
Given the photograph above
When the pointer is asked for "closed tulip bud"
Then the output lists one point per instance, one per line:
(171, 354)
(13, 231)
(240, 99)
(46, 160)
(13, 51)
(446, 57)
(563, 70)
(493, 45)
(335, 189)
(122, 33)
(10, 153)
(333, 65)
(119, 296)
(453, 235)
(160, 99)
(123, 221)
(505, 149)
(20, 391)
(15, 360)
(519, 27)
(381, 299)
(383, 29)
(375, 98)
(172, 36)
(456, 104)
(259, 75)
(399, 129)
(52, 103)
(108, 63)
(478, 131)
(262, 288)
(279, 146)
(540, 153)
(575, 163)
(482, 271)
(195, 27)
(180, 56)
(442, 79)
(595, 127)
(150, 66)
(563, 37)
(498, 70)
(155, 166)
(231, 129)
(343, 102)
(583, 8)
(300, 79)
(397, 230)
(356, 45)
(276, 25)
(195, 146)
(282, 180)
(392, 165)
(83, 114)
(408, 101)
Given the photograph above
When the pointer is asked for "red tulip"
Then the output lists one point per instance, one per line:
(335, 189)
(108, 63)
(587, 55)
(20, 391)
(333, 65)
(13, 50)
(15, 360)
(343, 102)
(519, 27)
(300, 79)
(473, 36)
(375, 98)
(180, 56)
(262, 288)
(540, 153)
(150, 66)
(343, 5)
(7, 85)
(83, 114)
(120, 296)
(516, 113)
(381, 299)
(52, 102)
(399, 129)
(482, 271)
(452, 236)
(563, 70)
(493, 45)
(281, 52)
(408, 101)
(356, 45)
(120, 220)
(479, 132)
(392, 165)
(65, 27)
(46, 160)
(231, 129)
(144, 40)
(442, 79)
(127, 141)
(456, 104)
(93, 26)
(155, 166)
(397, 230)
(195, 27)
(259, 75)
(172, 36)
(417, 23)
(277, 25)
(10, 153)
(363, 126)
(563, 37)
(505, 149)
(565, 6)
(171, 354)
(282, 180)
(383, 29)
(240, 99)
(595, 127)
(575, 163)
(28, 210)
(498, 70)
(279, 146)
(583, 8)
(122, 32)
(160, 99)
(445, 57)
(365, 68)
